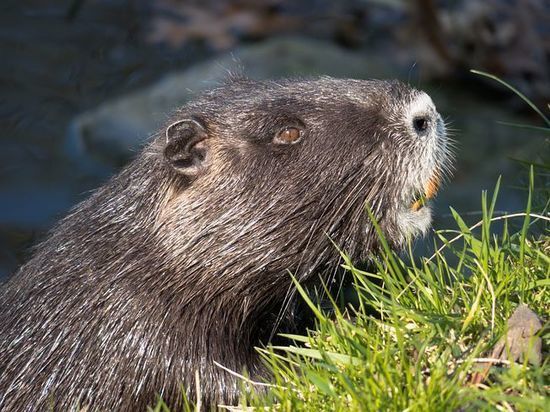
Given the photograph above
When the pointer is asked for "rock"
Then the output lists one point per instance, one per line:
(520, 342)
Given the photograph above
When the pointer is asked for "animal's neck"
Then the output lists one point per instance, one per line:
(213, 335)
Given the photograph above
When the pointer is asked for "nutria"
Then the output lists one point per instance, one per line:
(183, 259)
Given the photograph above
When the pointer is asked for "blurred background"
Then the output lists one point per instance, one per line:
(83, 83)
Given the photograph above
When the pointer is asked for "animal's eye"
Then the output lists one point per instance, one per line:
(288, 135)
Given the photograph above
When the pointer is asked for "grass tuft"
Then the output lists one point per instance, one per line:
(437, 322)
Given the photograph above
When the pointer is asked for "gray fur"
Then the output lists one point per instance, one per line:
(159, 274)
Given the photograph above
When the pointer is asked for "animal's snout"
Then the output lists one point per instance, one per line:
(423, 117)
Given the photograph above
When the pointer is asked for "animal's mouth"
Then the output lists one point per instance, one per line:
(421, 197)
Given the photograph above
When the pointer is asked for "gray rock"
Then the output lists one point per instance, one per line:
(521, 341)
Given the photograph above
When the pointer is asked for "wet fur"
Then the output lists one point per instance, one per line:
(158, 275)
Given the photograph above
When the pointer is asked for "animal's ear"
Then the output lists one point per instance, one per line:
(186, 147)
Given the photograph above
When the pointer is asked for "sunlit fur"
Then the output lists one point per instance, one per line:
(158, 275)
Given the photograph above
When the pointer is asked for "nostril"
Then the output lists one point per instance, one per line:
(420, 124)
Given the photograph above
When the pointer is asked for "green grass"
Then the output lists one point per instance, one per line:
(437, 322)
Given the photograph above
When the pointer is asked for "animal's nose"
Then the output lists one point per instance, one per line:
(422, 116)
(421, 124)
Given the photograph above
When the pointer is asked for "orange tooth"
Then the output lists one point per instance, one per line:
(433, 186)
(429, 192)
(416, 205)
